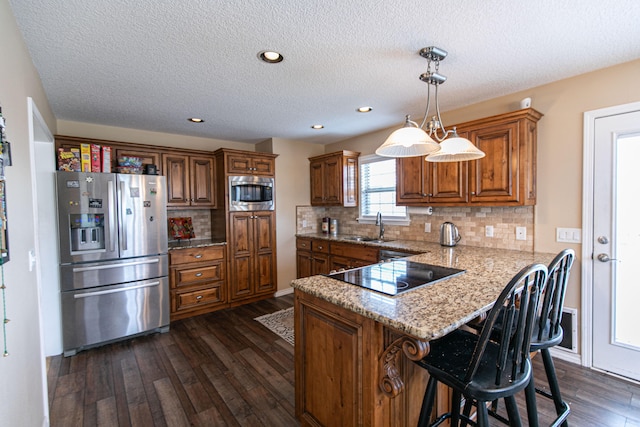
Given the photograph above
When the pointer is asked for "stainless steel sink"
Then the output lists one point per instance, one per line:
(366, 239)
(358, 238)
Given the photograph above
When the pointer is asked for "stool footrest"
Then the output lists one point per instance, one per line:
(565, 408)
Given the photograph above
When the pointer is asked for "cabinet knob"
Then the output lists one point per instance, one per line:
(198, 256)
(320, 247)
(198, 274)
(473, 193)
(430, 194)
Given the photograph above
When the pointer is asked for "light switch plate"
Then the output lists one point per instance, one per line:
(569, 235)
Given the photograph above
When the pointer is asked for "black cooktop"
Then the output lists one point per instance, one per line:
(395, 277)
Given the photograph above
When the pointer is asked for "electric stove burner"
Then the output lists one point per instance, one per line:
(395, 277)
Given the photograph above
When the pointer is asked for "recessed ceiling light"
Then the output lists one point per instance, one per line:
(270, 56)
(195, 120)
(317, 127)
(364, 109)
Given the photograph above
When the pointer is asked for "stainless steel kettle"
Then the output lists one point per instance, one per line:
(449, 235)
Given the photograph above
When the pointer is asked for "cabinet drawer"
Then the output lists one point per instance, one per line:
(184, 256)
(190, 275)
(201, 297)
(321, 246)
(364, 253)
(303, 244)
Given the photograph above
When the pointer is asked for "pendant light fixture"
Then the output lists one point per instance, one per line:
(413, 140)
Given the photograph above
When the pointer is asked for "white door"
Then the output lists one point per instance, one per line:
(616, 244)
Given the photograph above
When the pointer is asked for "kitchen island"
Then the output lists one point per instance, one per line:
(354, 346)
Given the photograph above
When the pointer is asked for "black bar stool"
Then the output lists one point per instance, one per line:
(480, 368)
(547, 332)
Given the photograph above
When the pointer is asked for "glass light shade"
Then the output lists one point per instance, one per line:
(409, 141)
(456, 149)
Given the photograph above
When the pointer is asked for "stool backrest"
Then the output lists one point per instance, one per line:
(547, 324)
(516, 308)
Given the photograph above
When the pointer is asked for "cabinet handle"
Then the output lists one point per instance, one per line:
(198, 256)
(304, 245)
(198, 298)
(473, 193)
(430, 194)
(198, 274)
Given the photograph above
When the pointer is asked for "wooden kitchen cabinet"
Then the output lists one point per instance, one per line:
(319, 256)
(422, 182)
(349, 255)
(506, 176)
(246, 164)
(334, 179)
(197, 281)
(252, 254)
(340, 358)
(190, 181)
(312, 257)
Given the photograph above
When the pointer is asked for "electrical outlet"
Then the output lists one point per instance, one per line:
(304, 222)
(488, 231)
(427, 227)
(521, 233)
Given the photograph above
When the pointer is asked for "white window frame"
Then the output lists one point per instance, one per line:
(371, 219)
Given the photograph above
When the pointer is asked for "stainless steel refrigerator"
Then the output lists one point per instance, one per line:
(113, 257)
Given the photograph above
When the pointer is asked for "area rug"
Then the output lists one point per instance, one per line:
(280, 323)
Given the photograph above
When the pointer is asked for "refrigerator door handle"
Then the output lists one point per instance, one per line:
(124, 264)
(113, 291)
(123, 236)
(112, 216)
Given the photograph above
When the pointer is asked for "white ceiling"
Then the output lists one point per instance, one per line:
(151, 64)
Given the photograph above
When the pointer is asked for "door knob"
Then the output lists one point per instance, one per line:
(605, 258)
(603, 240)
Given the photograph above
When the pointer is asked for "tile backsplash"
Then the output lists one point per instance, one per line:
(471, 222)
(201, 219)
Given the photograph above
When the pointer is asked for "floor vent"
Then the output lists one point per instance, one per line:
(570, 328)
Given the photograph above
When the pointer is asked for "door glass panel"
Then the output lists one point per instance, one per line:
(627, 241)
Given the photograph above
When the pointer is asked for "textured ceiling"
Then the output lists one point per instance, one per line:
(151, 64)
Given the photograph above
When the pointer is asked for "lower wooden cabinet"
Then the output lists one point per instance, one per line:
(319, 256)
(252, 254)
(341, 360)
(197, 280)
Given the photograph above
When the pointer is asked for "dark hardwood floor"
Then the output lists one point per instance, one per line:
(225, 369)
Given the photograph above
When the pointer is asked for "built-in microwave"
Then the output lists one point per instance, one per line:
(251, 193)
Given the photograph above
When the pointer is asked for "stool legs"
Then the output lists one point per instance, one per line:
(427, 402)
(562, 409)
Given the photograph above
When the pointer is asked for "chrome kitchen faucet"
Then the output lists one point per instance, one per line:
(381, 224)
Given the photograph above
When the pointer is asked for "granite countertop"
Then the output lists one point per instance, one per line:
(435, 310)
(194, 243)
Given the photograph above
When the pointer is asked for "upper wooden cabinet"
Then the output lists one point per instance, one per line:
(190, 180)
(249, 164)
(506, 176)
(334, 179)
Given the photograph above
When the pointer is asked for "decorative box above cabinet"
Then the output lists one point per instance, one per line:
(334, 179)
(506, 176)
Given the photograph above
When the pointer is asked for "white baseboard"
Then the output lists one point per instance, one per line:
(283, 292)
(566, 355)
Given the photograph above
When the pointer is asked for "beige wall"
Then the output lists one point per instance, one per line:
(23, 398)
(560, 140)
(292, 189)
